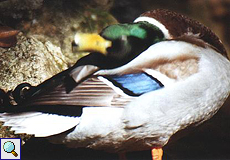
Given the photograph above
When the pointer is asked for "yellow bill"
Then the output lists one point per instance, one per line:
(85, 42)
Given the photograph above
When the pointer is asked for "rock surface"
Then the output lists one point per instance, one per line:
(29, 61)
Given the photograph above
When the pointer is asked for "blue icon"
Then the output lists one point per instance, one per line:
(9, 147)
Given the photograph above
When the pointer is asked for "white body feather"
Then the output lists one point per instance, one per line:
(154, 117)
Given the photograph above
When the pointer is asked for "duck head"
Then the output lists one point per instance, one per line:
(129, 40)
(120, 43)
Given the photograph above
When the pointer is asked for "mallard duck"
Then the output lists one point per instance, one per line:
(142, 83)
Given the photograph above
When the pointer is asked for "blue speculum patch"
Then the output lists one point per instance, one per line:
(135, 84)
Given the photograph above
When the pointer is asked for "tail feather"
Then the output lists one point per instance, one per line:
(38, 124)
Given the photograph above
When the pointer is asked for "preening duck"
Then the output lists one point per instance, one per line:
(142, 83)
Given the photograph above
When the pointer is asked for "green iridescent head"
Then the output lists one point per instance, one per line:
(118, 44)
(129, 40)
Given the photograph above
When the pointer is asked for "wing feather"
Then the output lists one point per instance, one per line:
(91, 92)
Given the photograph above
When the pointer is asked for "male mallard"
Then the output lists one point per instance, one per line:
(141, 84)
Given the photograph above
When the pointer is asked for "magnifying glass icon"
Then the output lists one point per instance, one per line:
(9, 147)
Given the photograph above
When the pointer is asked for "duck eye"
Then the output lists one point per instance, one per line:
(117, 46)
